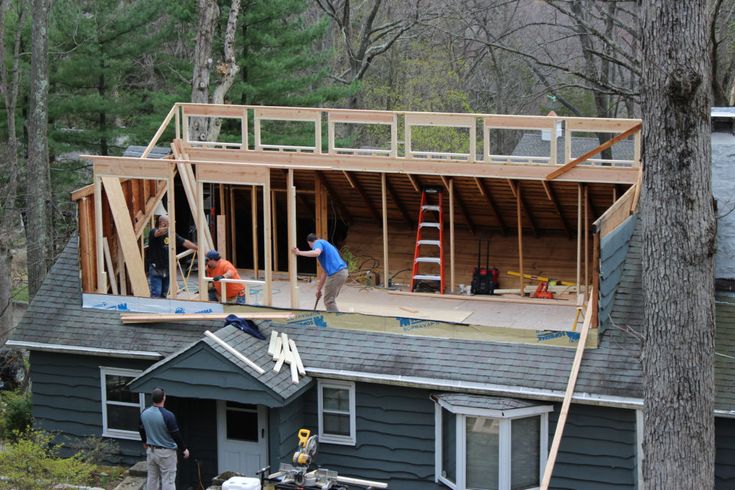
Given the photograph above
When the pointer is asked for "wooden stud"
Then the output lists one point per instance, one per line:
(100, 286)
(552, 144)
(451, 236)
(292, 263)
(586, 241)
(516, 189)
(201, 224)
(233, 226)
(297, 357)
(160, 131)
(254, 218)
(520, 239)
(173, 288)
(274, 217)
(579, 239)
(222, 235)
(384, 198)
(267, 241)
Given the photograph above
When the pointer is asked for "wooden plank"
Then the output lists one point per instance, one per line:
(267, 241)
(462, 206)
(579, 237)
(233, 226)
(132, 168)
(452, 255)
(445, 120)
(128, 318)
(201, 224)
(85, 212)
(413, 183)
(384, 200)
(86, 191)
(297, 357)
(551, 461)
(599, 125)
(287, 114)
(222, 235)
(586, 241)
(334, 196)
(616, 214)
(272, 343)
(173, 289)
(274, 228)
(520, 238)
(515, 187)
(363, 117)
(160, 131)
(586, 156)
(595, 279)
(520, 122)
(240, 175)
(150, 208)
(213, 110)
(110, 268)
(126, 236)
(254, 220)
(234, 352)
(292, 263)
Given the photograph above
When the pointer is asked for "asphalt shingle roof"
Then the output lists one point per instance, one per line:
(612, 370)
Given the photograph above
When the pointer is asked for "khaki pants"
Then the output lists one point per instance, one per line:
(161, 469)
(332, 286)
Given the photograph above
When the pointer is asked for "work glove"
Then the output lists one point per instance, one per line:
(218, 278)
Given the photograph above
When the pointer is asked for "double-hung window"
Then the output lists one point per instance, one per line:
(120, 407)
(489, 443)
(337, 412)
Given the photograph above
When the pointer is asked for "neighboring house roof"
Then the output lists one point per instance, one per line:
(532, 145)
(137, 151)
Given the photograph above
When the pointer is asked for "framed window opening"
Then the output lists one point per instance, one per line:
(120, 407)
(337, 412)
(474, 446)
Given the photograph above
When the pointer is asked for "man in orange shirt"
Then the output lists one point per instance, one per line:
(218, 269)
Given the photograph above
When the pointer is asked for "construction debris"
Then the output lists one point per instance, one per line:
(190, 317)
(284, 351)
(235, 353)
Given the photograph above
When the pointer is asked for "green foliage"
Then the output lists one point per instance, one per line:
(15, 414)
(96, 450)
(31, 463)
(351, 259)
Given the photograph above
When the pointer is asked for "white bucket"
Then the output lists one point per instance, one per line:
(241, 483)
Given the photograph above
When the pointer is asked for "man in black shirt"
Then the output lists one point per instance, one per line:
(158, 273)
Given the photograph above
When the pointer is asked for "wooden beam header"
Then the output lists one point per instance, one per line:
(133, 168)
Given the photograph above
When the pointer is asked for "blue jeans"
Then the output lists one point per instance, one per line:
(239, 300)
(158, 283)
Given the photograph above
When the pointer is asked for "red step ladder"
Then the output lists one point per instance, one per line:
(429, 251)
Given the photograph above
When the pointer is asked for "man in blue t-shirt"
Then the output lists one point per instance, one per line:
(334, 267)
(161, 437)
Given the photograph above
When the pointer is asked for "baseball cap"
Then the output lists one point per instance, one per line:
(213, 255)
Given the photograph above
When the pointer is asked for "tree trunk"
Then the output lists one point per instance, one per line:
(39, 189)
(678, 247)
(208, 15)
(227, 69)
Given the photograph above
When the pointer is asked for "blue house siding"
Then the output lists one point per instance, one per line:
(724, 453)
(66, 398)
(598, 450)
(613, 251)
(395, 442)
(395, 437)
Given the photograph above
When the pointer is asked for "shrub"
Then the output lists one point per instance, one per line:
(31, 462)
(15, 413)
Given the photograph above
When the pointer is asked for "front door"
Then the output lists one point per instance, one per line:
(242, 437)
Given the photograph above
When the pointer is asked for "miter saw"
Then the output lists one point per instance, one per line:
(298, 476)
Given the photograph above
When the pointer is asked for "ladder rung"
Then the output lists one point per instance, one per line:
(430, 207)
(427, 277)
(429, 225)
(430, 260)
(430, 242)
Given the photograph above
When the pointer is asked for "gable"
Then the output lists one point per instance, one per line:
(201, 372)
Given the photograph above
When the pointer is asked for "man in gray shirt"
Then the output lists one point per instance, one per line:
(161, 437)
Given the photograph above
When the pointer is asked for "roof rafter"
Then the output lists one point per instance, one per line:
(398, 202)
(363, 193)
(552, 197)
(515, 188)
(486, 191)
(461, 204)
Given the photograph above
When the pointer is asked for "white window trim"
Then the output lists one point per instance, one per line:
(117, 433)
(350, 440)
(504, 443)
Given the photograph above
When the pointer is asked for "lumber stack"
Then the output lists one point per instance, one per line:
(284, 351)
(191, 317)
